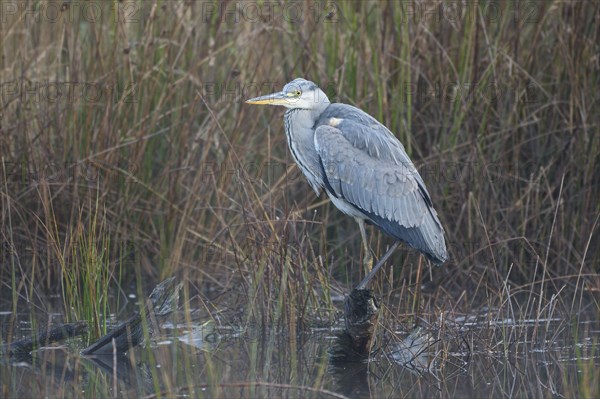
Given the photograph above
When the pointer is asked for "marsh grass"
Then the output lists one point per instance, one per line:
(149, 163)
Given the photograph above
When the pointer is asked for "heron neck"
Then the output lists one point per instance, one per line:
(303, 119)
(299, 129)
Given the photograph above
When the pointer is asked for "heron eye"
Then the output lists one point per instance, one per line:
(297, 93)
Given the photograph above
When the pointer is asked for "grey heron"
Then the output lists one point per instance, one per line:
(362, 167)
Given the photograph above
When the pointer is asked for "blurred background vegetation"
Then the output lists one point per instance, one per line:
(128, 154)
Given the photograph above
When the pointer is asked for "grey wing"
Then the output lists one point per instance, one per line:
(388, 193)
(367, 134)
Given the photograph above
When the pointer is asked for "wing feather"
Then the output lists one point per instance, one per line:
(372, 172)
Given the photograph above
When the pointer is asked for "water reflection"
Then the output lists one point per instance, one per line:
(201, 359)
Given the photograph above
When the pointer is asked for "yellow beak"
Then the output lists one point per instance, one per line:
(271, 99)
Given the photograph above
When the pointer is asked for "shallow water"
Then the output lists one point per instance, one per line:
(468, 357)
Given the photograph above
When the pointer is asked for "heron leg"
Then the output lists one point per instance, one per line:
(368, 259)
(368, 277)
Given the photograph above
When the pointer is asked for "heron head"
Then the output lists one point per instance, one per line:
(298, 94)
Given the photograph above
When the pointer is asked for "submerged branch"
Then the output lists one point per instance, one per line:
(161, 303)
(45, 336)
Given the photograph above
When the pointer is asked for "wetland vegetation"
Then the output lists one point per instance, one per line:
(127, 155)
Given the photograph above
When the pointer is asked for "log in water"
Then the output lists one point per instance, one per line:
(354, 344)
